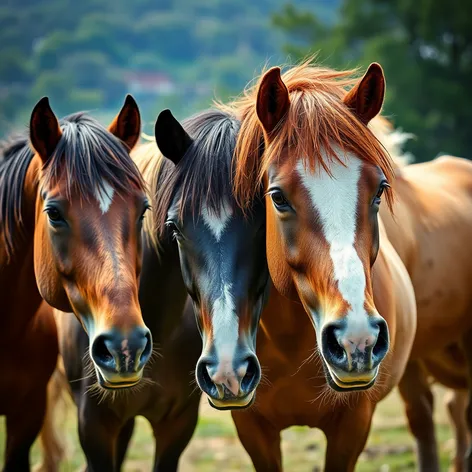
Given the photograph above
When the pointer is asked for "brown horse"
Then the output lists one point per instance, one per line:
(324, 173)
(71, 202)
(430, 231)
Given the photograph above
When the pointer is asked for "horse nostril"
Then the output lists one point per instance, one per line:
(252, 376)
(101, 354)
(204, 381)
(331, 344)
(146, 347)
(380, 348)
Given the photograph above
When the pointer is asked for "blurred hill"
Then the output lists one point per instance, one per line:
(87, 54)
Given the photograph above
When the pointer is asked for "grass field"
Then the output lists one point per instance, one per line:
(215, 446)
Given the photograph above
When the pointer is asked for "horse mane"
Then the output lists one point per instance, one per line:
(86, 157)
(156, 170)
(315, 127)
(393, 139)
(16, 156)
(203, 177)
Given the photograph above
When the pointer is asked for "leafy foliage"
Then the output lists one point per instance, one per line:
(82, 53)
(425, 48)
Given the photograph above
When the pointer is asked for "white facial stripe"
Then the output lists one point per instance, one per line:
(335, 199)
(225, 327)
(104, 196)
(217, 222)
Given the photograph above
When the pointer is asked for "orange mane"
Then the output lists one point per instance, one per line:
(317, 120)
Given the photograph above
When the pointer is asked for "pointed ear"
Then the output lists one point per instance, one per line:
(273, 100)
(45, 131)
(366, 98)
(172, 140)
(127, 124)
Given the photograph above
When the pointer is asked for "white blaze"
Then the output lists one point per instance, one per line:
(217, 222)
(335, 199)
(104, 195)
(225, 337)
(224, 319)
(225, 326)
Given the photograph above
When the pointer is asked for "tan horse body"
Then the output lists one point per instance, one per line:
(430, 230)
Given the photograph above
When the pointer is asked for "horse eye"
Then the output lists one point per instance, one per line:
(380, 192)
(54, 215)
(143, 214)
(278, 198)
(172, 226)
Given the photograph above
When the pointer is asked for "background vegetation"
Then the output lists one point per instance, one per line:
(425, 47)
(169, 53)
(182, 53)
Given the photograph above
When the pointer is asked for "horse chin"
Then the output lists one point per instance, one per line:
(232, 403)
(108, 384)
(350, 385)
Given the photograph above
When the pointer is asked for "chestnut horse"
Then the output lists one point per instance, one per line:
(71, 200)
(431, 224)
(324, 175)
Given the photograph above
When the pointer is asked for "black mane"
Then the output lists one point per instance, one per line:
(204, 175)
(86, 156)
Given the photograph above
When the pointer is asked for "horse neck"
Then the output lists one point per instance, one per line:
(18, 289)
(162, 293)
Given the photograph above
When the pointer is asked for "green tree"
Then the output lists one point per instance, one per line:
(83, 53)
(425, 48)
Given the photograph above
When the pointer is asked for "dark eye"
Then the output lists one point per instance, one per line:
(279, 200)
(143, 214)
(54, 215)
(380, 191)
(174, 229)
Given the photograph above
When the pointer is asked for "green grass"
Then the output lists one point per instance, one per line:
(215, 446)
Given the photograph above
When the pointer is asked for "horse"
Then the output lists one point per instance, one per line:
(424, 232)
(222, 250)
(323, 174)
(71, 202)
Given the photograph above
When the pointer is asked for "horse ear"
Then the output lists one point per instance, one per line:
(172, 140)
(127, 124)
(366, 98)
(273, 100)
(45, 131)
